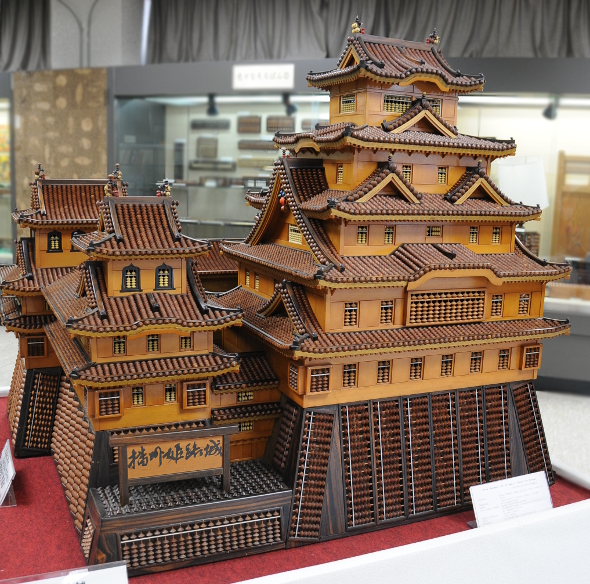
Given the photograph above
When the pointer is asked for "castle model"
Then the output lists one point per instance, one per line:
(373, 359)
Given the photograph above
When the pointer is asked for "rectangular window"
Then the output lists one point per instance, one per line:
(497, 304)
(119, 345)
(475, 365)
(170, 393)
(340, 174)
(351, 313)
(349, 375)
(523, 304)
(293, 370)
(438, 307)
(109, 403)
(130, 279)
(246, 426)
(446, 368)
(36, 346)
(245, 396)
(396, 104)
(256, 282)
(442, 175)
(383, 369)
(185, 343)
(531, 356)
(247, 278)
(163, 278)
(295, 235)
(504, 359)
(137, 395)
(434, 231)
(407, 172)
(320, 380)
(389, 235)
(347, 103)
(196, 395)
(54, 241)
(153, 343)
(436, 105)
(496, 234)
(473, 234)
(416, 368)
(386, 312)
(362, 232)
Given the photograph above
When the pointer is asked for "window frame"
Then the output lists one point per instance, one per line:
(124, 287)
(170, 278)
(310, 374)
(142, 404)
(500, 351)
(494, 303)
(442, 170)
(362, 232)
(415, 361)
(295, 235)
(352, 367)
(443, 361)
(385, 304)
(123, 339)
(351, 309)
(476, 357)
(97, 398)
(396, 104)
(389, 231)
(431, 228)
(496, 230)
(352, 101)
(190, 343)
(381, 366)
(59, 239)
(185, 390)
(175, 400)
(539, 348)
(474, 229)
(37, 341)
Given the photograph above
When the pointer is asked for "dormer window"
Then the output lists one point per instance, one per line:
(75, 234)
(396, 104)
(348, 103)
(164, 279)
(436, 105)
(130, 281)
(54, 242)
(407, 172)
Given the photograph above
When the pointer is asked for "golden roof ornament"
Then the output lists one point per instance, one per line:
(165, 190)
(356, 26)
(118, 174)
(39, 172)
(433, 39)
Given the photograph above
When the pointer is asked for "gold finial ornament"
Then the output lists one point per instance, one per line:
(165, 190)
(118, 174)
(433, 39)
(39, 172)
(356, 25)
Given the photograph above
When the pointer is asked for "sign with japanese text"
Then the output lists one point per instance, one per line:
(264, 76)
(7, 472)
(155, 459)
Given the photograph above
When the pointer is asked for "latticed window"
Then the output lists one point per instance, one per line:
(361, 234)
(396, 104)
(340, 174)
(54, 241)
(504, 359)
(434, 231)
(153, 343)
(351, 313)
(446, 367)
(46, 307)
(383, 369)
(523, 304)
(416, 368)
(407, 172)
(475, 364)
(170, 393)
(347, 103)
(185, 343)
(473, 234)
(436, 105)
(497, 304)
(119, 345)
(137, 395)
(389, 235)
(163, 277)
(320, 380)
(196, 395)
(531, 357)
(246, 426)
(109, 403)
(386, 312)
(36, 347)
(256, 282)
(247, 278)
(244, 396)
(131, 278)
(295, 234)
(293, 371)
(496, 234)
(442, 175)
(432, 307)
(349, 375)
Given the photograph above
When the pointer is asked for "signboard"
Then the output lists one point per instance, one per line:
(175, 456)
(7, 472)
(510, 498)
(278, 76)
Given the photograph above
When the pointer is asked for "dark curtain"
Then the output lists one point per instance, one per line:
(24, 34)
(220, 30)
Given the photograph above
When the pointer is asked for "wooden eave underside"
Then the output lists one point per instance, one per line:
(440, 218)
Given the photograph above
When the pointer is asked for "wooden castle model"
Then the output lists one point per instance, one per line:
(375, 360)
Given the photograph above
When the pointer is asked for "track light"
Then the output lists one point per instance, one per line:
(212, 107)
(550, 112)
(290, 108)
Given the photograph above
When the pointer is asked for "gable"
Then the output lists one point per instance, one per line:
(390, 185)
(425, 121)
(349, 59)
(481, 189)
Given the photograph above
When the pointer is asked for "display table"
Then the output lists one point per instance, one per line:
(38, 535)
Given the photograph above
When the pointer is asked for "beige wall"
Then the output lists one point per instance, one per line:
(60, 121)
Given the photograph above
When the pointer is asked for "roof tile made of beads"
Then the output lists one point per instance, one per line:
(255, 373)
(215, 262)
(245, 413)
(391, 60)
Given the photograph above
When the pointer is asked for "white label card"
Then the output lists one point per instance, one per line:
(7, 472)
(501, 500)
(263, 76)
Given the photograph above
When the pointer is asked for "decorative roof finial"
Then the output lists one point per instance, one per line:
(39, 172)
(165, 190)
(118, 174)
(356, 25)
(433, 39)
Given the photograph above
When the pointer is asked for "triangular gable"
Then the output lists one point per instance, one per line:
(350, 58)
(482, 189)
(431, 121)
(396, 182)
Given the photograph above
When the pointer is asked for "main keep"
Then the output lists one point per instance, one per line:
(375, 360)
